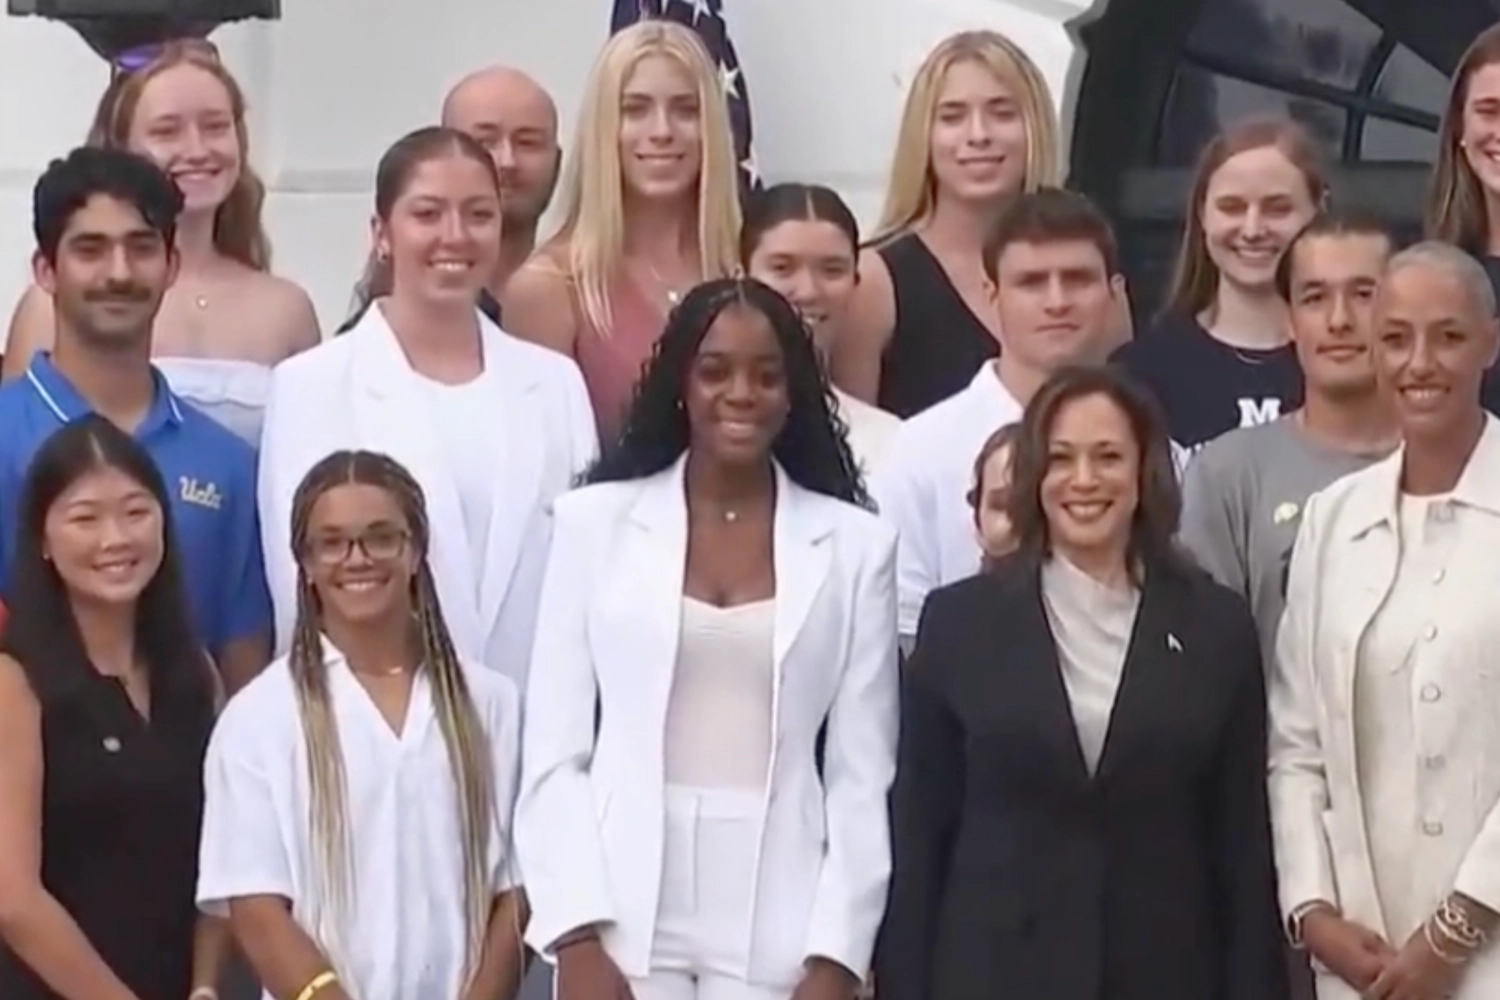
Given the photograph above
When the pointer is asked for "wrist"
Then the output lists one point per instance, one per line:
(1308, 913)
(574, 938)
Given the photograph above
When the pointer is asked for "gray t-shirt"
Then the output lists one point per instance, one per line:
(1242, 499)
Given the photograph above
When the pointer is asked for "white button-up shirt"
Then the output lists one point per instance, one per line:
(922, 487)
(404, 931)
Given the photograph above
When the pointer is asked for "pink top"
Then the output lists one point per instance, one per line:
(612, 362)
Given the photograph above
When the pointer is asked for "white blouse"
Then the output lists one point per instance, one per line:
(403, 934)
(1091, 626)
(719, 713)
(467, 415)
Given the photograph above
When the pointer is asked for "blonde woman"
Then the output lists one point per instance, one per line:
(1464, 195)
(226, 319)
(358, 793)
(979, 127)
(652, 208)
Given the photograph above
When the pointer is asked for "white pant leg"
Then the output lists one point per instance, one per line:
(708, 891)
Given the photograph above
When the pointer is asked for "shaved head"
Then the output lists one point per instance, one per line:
(515, 120)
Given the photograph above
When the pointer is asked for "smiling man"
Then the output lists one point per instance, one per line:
(105, 223)
(515, 120)
(1243, 493)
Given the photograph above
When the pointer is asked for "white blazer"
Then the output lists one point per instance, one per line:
(358, 391)
(589, 821)
(1343, 566)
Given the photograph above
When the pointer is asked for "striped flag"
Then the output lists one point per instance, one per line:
(706, 17)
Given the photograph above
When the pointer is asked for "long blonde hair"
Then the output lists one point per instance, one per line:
(464, 735)
(911, 194)
(238, 231)
(1455, 198)
(590, 244)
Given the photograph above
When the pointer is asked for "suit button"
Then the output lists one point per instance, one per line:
(1429, 632)
(1434, 762)
(1432, 828)
(1431, 692)
(1438, 576)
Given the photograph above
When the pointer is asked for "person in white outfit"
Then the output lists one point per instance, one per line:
(359, 792)
(492, 427)
(1054, 269)
(711, 714)
(1384, 743)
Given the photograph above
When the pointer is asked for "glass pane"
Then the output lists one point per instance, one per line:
(1391, 142)
(1202, 103)
(1324, 40)
(1408, 79)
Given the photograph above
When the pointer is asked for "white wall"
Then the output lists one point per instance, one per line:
(336, 81)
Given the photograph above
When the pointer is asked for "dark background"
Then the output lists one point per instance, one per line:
(1369, 79)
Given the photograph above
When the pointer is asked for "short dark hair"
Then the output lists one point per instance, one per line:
(1050, 215)
(67, 185)
(1154, 527)
(1330, 222)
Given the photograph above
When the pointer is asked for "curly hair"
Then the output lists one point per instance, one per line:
(813, 446)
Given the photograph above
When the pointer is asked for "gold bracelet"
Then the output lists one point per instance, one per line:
(318, 982)
(1455, 924)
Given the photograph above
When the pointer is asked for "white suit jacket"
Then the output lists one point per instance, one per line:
(358, 391)
(1343, 566)
(589, 822)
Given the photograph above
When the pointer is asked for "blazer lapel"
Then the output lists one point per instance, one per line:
(393, 417)
(519, 464)
(801, 560)
(1146, 681)
(1041, 681)
(646, 584)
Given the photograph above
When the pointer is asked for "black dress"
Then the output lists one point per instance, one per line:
(938, 344)
(122, 802)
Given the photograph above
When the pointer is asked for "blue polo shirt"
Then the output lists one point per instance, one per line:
(210, 478)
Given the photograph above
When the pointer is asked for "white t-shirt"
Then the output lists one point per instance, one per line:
(922, 488)
(403, 935)
(871, 429)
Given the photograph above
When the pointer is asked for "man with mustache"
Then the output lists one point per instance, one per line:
(515, 120)
(105, 221)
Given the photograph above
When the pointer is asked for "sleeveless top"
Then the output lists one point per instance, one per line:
(122, 803)
(938, 343)
(612, 360)
(231, 391)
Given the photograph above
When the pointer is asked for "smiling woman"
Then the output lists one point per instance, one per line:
(721, 597)
(1219, 356)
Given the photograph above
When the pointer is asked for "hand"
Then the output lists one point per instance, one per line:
(1354, 953)
(1416, 973)
(826, 980)
(586, 972)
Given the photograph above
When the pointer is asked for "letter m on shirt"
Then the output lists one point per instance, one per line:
(1259, 411)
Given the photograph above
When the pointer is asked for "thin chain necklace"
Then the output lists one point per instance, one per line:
(673, 296)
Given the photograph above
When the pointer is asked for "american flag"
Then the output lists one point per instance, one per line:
(706, 17)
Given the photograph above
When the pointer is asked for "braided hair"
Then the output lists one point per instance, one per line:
(464, 735)
(813, 446)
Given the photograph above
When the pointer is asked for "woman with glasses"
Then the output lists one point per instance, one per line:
(227, 319)
(106, 703)
(357, 823)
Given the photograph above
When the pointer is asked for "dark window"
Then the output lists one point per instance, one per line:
(1368, 78)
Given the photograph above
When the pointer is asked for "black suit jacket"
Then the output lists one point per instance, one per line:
(1016, 873)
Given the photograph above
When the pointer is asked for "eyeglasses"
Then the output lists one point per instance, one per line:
(378, 545)
(135, 59)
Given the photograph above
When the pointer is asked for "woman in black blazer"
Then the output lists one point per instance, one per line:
(1080, 804)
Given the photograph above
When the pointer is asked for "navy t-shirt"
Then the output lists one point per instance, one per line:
(1205, 386)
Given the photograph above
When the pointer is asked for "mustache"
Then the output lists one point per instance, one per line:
(123, 291)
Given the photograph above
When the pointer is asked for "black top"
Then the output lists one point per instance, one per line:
(1490, 394)
(1150, 879)
(122, 803)
(1205, 386)
(938, 344)
(490, 306)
